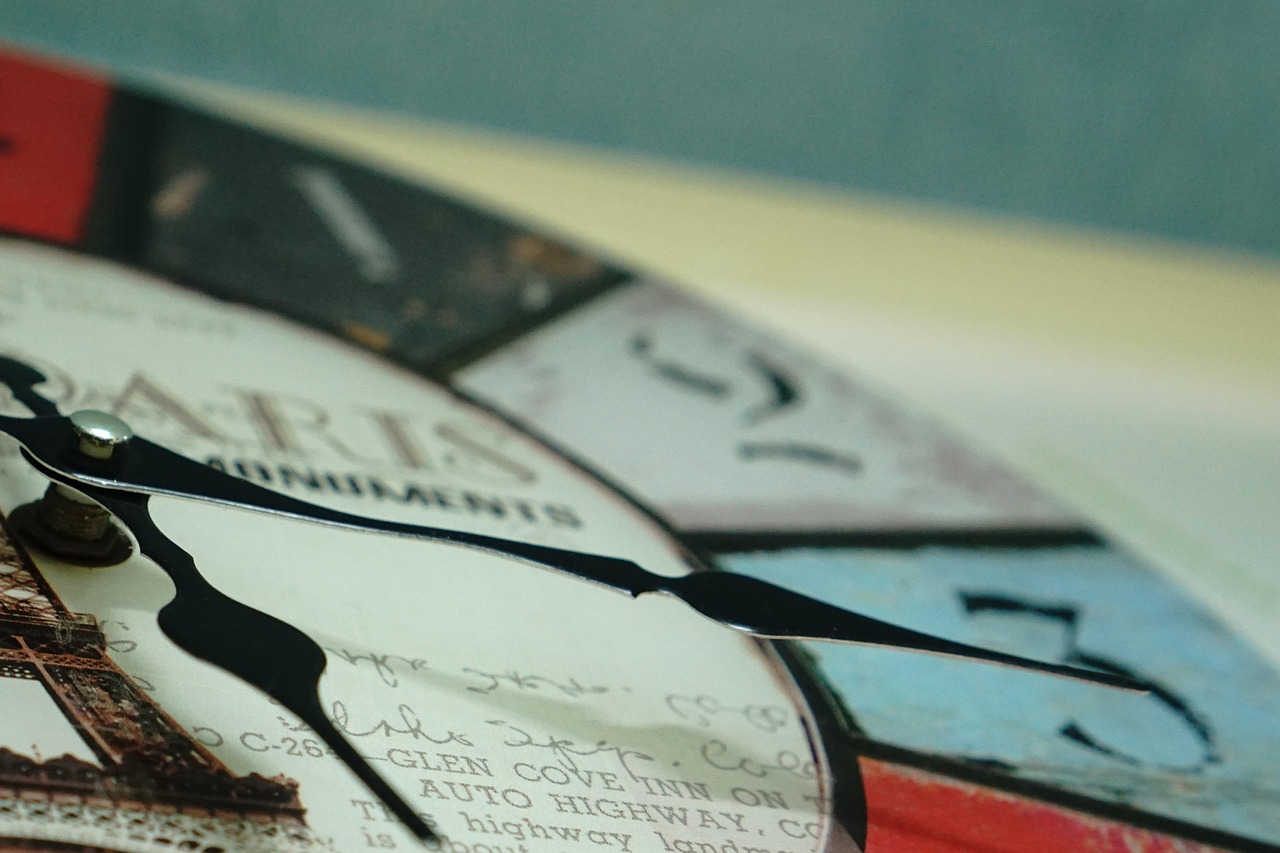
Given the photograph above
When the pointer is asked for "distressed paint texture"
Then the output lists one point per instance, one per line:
(912, 811)
(723, 427)
(388, 264)
(51, 124)
(1202, 748)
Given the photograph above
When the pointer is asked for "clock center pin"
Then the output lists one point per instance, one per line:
(100, 434)
(69, 525)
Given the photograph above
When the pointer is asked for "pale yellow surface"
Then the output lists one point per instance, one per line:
(1140, 380)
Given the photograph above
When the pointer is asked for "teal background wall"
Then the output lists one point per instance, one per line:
(1155, 118)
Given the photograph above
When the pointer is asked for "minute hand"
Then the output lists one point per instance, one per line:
(742, 602)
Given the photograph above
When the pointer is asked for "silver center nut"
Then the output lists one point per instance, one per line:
(99, 433)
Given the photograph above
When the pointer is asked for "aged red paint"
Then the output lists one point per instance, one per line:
(51, 126)
(911, 811)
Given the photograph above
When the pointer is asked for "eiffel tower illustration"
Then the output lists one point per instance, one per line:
(151, 781)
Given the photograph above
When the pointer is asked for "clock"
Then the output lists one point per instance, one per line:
(314, 327)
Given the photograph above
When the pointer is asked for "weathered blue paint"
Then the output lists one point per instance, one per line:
(1224, 777)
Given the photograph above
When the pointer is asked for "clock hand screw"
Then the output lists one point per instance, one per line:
(100, 434)
(69, 525)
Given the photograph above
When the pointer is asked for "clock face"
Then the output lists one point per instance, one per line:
(508, 703)
(440, 366)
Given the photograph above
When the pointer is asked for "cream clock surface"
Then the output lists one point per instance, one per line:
(512, 706)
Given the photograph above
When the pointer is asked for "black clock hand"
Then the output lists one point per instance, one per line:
(742, 602)
(257, 648)
(745, 603)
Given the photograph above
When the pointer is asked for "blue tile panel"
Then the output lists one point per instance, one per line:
(1204, 747)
